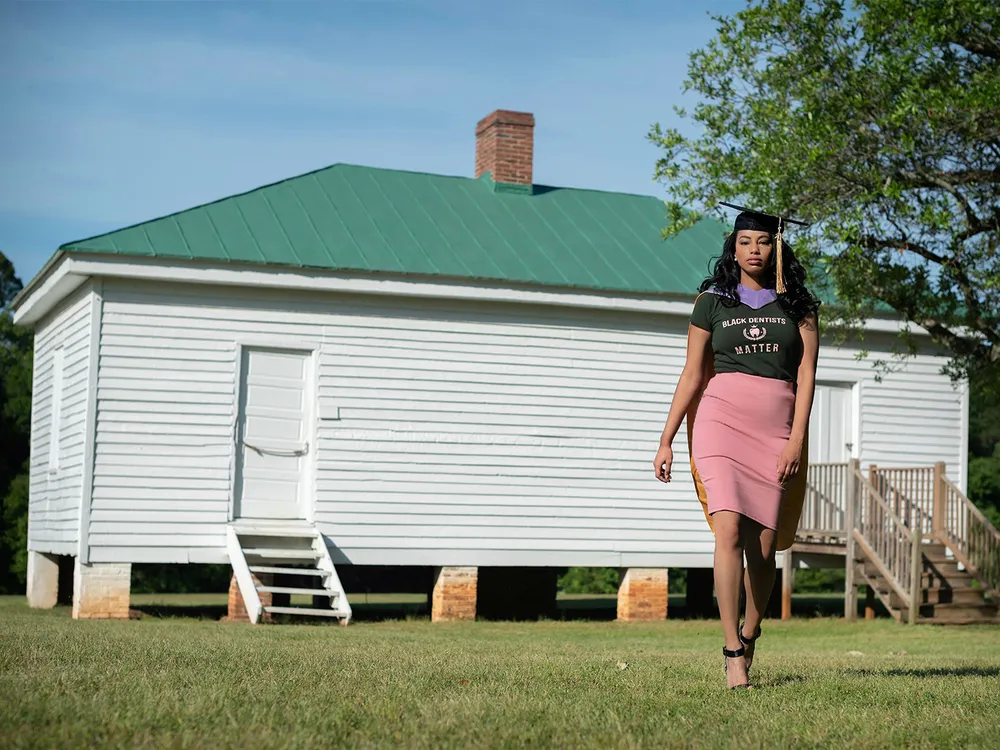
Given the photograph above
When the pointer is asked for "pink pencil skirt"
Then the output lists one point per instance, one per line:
(742, 425)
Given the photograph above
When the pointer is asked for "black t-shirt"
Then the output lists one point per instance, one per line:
(763, 342)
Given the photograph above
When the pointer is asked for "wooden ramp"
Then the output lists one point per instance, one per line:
(274, 562)
(909, 534)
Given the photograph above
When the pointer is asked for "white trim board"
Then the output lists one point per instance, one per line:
(72, 270)
(89, 451)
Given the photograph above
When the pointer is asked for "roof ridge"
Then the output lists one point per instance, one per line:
(540, 189)
(351, 217)
(251, 191)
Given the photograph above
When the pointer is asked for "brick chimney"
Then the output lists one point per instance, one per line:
(505, 146)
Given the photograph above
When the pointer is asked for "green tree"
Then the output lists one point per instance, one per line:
(589, 581)
(16, 354)
(984, 451)
(878, 121)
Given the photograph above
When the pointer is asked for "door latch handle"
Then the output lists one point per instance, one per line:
(294, 453)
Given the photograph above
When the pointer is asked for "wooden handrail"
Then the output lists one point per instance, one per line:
(880, 565)
(971, 508)
(891, 512)
(977, 543)
(902, 568)
(912, 493)
(907, 531)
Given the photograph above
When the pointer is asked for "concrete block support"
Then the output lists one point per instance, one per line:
(642, 595)
(454, 595)
(101, 591)
(43, 580)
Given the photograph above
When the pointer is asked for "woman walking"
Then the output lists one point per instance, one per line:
(747, 389)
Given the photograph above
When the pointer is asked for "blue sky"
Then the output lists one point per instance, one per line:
(118, 112)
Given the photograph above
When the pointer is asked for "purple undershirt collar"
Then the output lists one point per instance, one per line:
(753, 298)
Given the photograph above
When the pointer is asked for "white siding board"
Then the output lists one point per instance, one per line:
(161, 554)
(153, 497)
(583, 512)
(133, 477)
(55, 496)
(168, 514)
(129, 536)
(501, 526)
(53, 547)
(914, 418)
(687, 543)
(463, 433)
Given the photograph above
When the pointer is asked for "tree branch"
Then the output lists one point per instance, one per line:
(938, 179)
(938, 330)
(973, 308)
(878, 243)
(978, 226)
(984, 47)
(971, 219)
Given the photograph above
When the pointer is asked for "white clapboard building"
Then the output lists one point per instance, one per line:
(370, 367)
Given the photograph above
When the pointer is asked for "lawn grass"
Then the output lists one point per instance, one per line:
(179, 682)
(378, 606)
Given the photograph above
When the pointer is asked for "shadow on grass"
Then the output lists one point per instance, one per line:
(781, 681)
(387, 611)
(186, 611)
(953, 672)
(362, 613)
(592, 608)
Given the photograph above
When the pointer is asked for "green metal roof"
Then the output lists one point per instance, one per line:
(350, 218)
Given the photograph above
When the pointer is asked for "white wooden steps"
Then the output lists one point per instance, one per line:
(281, 560)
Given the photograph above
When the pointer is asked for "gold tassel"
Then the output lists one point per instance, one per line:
(779, 273)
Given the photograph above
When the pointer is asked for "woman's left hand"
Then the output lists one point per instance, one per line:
(788, 460)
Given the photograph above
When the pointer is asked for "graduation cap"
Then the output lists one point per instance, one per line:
(765, 222)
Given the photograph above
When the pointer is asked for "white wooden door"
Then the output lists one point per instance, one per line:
(831, 425)
(272, 435)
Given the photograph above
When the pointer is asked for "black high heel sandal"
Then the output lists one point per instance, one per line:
(727, 655)
(748, 642)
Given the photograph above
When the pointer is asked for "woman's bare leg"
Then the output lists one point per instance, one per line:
(728, 576)
(759, 577)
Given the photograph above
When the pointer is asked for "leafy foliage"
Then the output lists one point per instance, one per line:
(605, 581)
(878, 121)
(15, 533)
(155, 578)
(984, 485)
(589, 581)
(984, 449)
(16, 353)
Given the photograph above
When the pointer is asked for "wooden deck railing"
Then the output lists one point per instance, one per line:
(972, 538)
(825, 506)
(889, 543)
(909, 492)
(888, 516)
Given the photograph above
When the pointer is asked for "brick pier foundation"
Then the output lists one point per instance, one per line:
(101, 591)
(238, 608)
(642, 595)
(454, 596)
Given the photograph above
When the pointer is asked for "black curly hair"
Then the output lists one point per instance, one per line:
(797, 302)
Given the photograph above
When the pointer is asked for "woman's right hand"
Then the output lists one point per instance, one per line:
(661, 464)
